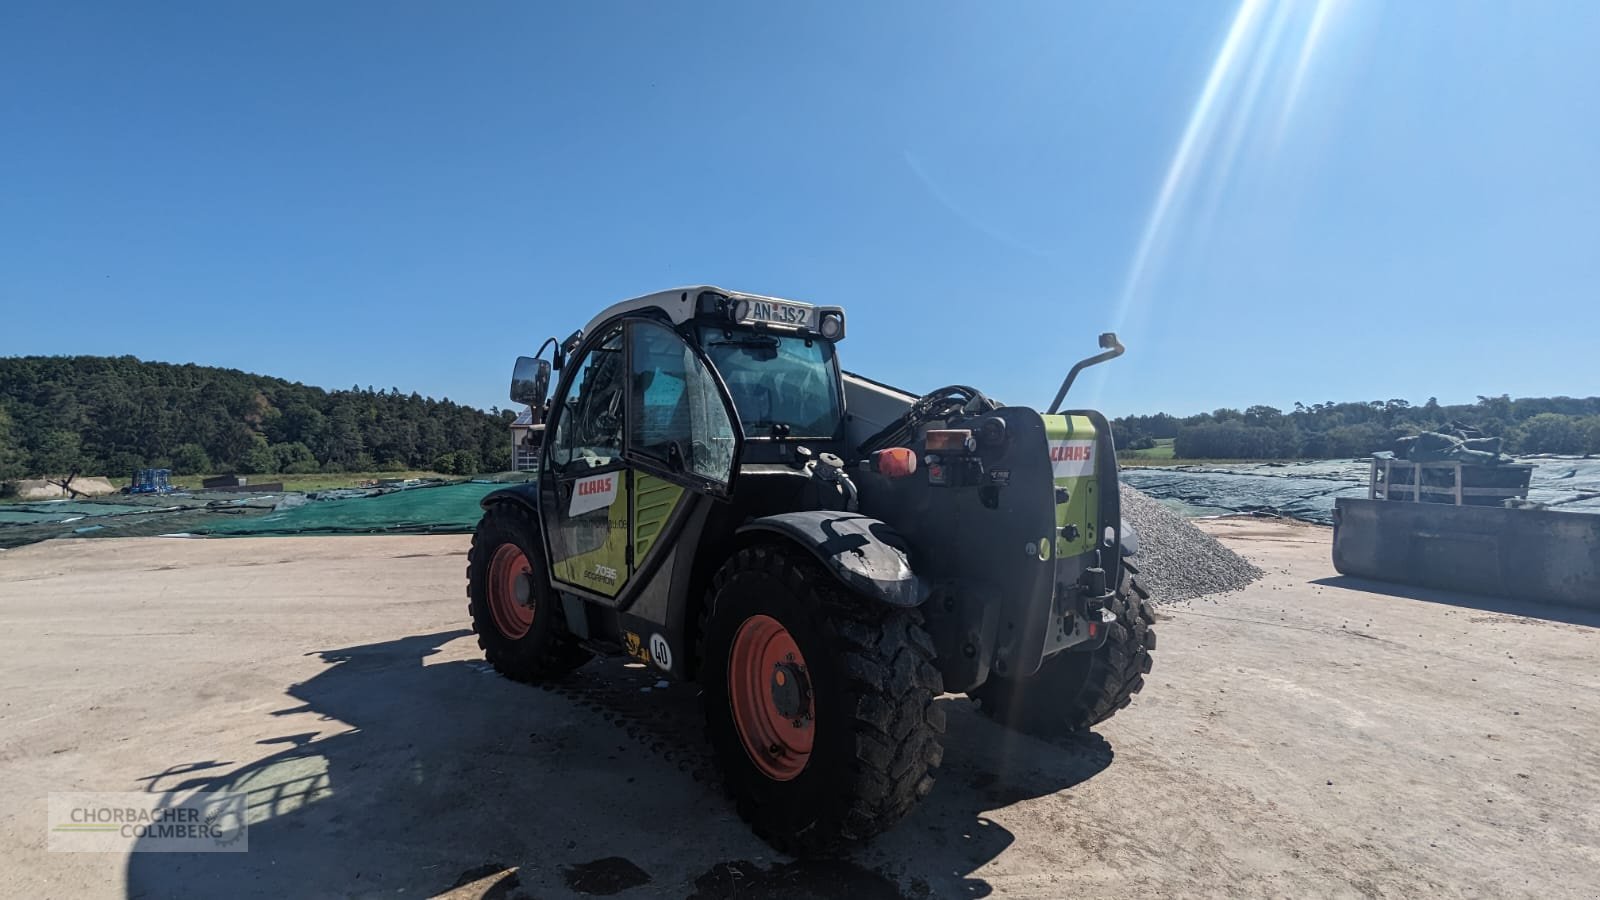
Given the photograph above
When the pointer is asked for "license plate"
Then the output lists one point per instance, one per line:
(793, 315)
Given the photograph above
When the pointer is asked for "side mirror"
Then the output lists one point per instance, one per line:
(1108, 340)
(530, 382)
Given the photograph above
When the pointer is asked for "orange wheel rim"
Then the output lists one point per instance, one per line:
(511, 591)
(769, 692)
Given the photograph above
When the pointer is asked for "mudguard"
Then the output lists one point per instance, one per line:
(1130, 539)
(526, 494)
(864, 553)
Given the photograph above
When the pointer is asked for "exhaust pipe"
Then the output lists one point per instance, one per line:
(1113, 349)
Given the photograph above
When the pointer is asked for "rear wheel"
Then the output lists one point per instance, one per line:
(820, 704)
(1072, 692)
(514, 612)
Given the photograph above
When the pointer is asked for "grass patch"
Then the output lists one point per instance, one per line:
(1161, 451)
(1160, 457)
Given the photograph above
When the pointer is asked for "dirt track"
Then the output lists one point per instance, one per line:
(1306, 737)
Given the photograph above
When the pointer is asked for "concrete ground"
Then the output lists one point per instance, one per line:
(1312, 736)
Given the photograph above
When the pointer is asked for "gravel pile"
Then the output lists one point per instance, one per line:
(1176, 560)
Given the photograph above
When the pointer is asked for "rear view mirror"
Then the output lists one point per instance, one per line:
(530, 382)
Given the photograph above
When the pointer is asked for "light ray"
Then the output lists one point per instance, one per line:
(1308, 49)
(1202, 120)
(1241, 113)
(1222, 122)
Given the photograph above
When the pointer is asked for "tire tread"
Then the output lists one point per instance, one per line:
(889, 672)
(521, 661)
(1058, 699)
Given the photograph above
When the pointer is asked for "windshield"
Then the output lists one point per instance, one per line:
(777, 381)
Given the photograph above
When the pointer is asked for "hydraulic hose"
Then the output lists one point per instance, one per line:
(940, 404)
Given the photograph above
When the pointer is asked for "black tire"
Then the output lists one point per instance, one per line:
(873, 682)
(1073, 692)
(547, 649)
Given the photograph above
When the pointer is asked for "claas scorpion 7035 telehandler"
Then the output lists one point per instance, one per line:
(826, 555)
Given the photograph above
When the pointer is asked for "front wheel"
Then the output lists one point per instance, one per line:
(820, 704)
(514, 612)
(1072, 692)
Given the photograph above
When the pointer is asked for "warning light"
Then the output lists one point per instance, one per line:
(895, 462)
(1094, 629)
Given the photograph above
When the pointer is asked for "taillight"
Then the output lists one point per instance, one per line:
(894, 462)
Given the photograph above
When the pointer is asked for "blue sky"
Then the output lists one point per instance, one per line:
(1270, 201)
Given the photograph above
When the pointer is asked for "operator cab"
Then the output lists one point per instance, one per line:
(670, 398)
(775, 357)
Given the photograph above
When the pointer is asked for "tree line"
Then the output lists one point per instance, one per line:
(111, 415)
(1347, 430)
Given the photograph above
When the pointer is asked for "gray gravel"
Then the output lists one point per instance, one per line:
(1176, 560)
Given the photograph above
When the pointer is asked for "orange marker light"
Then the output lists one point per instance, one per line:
(894, 462)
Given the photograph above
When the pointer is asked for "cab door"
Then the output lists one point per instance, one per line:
(584, 497)
(644, 413)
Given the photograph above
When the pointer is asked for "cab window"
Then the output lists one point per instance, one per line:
(679, 419)
(777, 381)
(589, 429)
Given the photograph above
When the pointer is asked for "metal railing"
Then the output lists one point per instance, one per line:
(1457, 490)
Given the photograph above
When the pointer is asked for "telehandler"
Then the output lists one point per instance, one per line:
(825, 554)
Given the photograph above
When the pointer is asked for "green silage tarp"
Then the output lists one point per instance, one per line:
(387, 508)
(45, 511)
(449, 508)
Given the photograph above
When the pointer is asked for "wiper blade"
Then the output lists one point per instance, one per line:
(753, 343)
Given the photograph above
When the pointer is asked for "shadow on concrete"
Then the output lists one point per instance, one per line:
(401, 777)
(1525, 608)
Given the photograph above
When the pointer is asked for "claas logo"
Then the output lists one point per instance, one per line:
(1071, 453)
(597, 486)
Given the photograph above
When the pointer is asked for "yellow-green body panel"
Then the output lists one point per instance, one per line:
(653, 503)
(603, 567)
(601, 537)
(1072, 434)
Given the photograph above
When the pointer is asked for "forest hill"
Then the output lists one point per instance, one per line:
(1352, 430)
(111, 415)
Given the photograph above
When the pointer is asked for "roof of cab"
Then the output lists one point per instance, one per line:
(679, 304)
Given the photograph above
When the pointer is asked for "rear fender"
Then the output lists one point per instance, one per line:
(863, 553)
